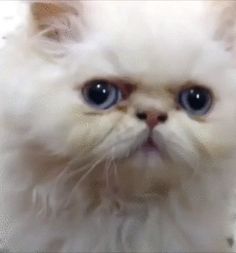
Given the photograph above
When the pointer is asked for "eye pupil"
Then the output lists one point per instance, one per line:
(196, 100)
(98, 93)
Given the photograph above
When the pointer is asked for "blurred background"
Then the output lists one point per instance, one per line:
(12, 14)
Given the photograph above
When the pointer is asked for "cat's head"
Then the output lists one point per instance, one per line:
(146, 84)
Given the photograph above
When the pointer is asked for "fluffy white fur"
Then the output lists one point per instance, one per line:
(70, 181)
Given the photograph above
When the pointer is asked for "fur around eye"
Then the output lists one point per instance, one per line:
(196, 100)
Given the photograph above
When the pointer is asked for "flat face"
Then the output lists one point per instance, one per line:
(142, 83)
(164, 51)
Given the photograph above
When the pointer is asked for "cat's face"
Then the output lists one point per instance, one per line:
(145, 85)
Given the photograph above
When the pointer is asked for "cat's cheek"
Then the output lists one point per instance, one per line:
(193, 142)
(126, 136)
(216, 142)
(177, 147)
(88, 133)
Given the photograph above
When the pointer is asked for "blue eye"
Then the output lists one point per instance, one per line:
(196, 100)
(102, 94)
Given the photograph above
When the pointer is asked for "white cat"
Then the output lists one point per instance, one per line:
(117, 127)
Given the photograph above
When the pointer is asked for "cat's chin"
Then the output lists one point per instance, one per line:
(146, 157)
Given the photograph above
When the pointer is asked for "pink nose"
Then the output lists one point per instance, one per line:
(152, 117)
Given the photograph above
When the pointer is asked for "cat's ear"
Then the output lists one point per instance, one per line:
(225, 17)
(56, 20)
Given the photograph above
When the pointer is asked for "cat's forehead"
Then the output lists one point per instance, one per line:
(152, 39)
(145, 23)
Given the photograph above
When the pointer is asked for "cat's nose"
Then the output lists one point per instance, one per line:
(152, 117)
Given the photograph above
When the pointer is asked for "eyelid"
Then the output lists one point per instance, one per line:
(121, 88)
(126, 87)
(188, 85)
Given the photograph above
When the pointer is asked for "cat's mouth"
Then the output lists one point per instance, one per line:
(149, 146)
(148, 154)
(146, 148)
